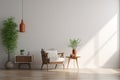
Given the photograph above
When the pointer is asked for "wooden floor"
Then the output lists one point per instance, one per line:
(60, 74)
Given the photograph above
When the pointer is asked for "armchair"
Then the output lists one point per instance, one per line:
(47, 59)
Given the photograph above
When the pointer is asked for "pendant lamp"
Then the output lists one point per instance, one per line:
(22, 24)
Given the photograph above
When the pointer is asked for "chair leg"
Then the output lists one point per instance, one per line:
(42, 66)
(63, 66)
(55, 66)
(47, 66)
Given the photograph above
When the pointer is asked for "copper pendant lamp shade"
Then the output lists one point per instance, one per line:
(22, 24)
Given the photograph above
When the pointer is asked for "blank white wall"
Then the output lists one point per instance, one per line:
(51, 23)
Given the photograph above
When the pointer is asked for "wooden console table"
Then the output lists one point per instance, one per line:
(23, 59)
(75, 58)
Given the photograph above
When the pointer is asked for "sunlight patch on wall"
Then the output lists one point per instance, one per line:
(104, 44)
(108, 41)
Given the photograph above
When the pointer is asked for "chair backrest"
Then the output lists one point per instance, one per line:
(44, 56)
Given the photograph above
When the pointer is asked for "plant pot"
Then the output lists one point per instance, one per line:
(74, 52)
(9, 65)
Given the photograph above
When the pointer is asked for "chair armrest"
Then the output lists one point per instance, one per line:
(61, 54)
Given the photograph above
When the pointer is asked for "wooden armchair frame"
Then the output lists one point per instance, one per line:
(46, 60)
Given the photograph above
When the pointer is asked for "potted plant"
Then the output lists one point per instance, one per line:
(22, 51)
(74, 43)
(9, 35)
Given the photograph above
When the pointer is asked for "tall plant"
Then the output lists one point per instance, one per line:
(9, 35)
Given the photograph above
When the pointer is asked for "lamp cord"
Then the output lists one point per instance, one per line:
(22, 9)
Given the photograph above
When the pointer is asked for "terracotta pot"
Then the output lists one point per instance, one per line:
(74, 52)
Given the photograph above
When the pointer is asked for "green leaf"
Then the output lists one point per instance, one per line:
(74, 43)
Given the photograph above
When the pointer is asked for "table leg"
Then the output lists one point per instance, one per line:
(29, 64)
(68, 62)
(19, 64)
(77, 63)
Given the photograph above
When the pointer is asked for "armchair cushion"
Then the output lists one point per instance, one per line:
(60, 60)
(52, 55)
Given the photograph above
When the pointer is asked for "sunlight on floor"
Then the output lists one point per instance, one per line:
(90, 71)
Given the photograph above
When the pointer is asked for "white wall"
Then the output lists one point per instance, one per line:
(51, 23)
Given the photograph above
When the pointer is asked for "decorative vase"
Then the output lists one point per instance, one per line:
(22, 52)
(74, 52)
(9, 65)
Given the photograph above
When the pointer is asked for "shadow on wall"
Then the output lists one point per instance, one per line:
(100, 51)
(52, 25)
(103, 47)
(113, 61)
